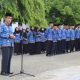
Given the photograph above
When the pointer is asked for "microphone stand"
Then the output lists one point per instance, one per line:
(22, 69)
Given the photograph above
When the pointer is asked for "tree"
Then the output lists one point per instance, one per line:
(65, 10)
(30, 11)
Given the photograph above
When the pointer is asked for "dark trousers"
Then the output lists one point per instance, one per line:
(25, 48)
(63, 46)
(31, 48)
(38, 47)
(17, 48)
(76, 44)
(6, 59)
(79, 44)
(42, 46)
(54, 48)
(59, 47)
(49, 45)
(72, 45)
(67, 46)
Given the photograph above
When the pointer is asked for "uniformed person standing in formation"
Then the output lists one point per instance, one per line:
(7, 37)
(24, 41)
(37, 40)
(55, 39)
(49, 39)
(42, 40)
(31, 41)
(59, 40)
(77, 38)
(72, 38)
(17, 41)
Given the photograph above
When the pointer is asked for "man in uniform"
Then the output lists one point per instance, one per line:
(49, 42)
(7, 37)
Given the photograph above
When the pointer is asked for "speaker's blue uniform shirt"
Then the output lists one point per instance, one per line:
(5, 31)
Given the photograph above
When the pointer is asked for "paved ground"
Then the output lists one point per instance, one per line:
(59, 67)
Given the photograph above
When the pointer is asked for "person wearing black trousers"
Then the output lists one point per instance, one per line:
(59, 46)
(31, 41)
(55, 38)
(67, 39)
(49, 40)
(77, 40)
(42, 40)
(7, 43)
(72, 38)
(17, 41)
(37, 40)
(25, 41)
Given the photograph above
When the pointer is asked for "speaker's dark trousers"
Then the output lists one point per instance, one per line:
(6, 59)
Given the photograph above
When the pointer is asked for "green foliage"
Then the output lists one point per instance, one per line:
(30, 11)
(39, 12)
(67, 10)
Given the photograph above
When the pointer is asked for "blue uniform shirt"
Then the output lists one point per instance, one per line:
(38, 36)
(63, 33)
(17, 37)
(31, 37)
(4, 34)
(59, 34)
(55, 35)
(0, 37)
(68, 34)
(42, 38)
(48, 34)
(77, 33)
(72, 34)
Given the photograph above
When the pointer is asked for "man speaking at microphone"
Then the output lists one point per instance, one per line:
(7, 39)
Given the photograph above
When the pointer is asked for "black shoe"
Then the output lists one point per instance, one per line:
(10, 73)
(4, 74)
(47, 54)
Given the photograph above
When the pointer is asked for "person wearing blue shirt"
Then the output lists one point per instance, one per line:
(31, 41)
(42, 40)
(67, 38)
(49, 42)
(24, 42)
(63, 39)
(7, 37)
(72, 38)
(0, 37)
(17, 41)
(38, 40)
(59, 47)
(77, 38)
(55, 39)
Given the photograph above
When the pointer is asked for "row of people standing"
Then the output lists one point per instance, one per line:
(30, 41)
(53, 40)
(62, 39)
